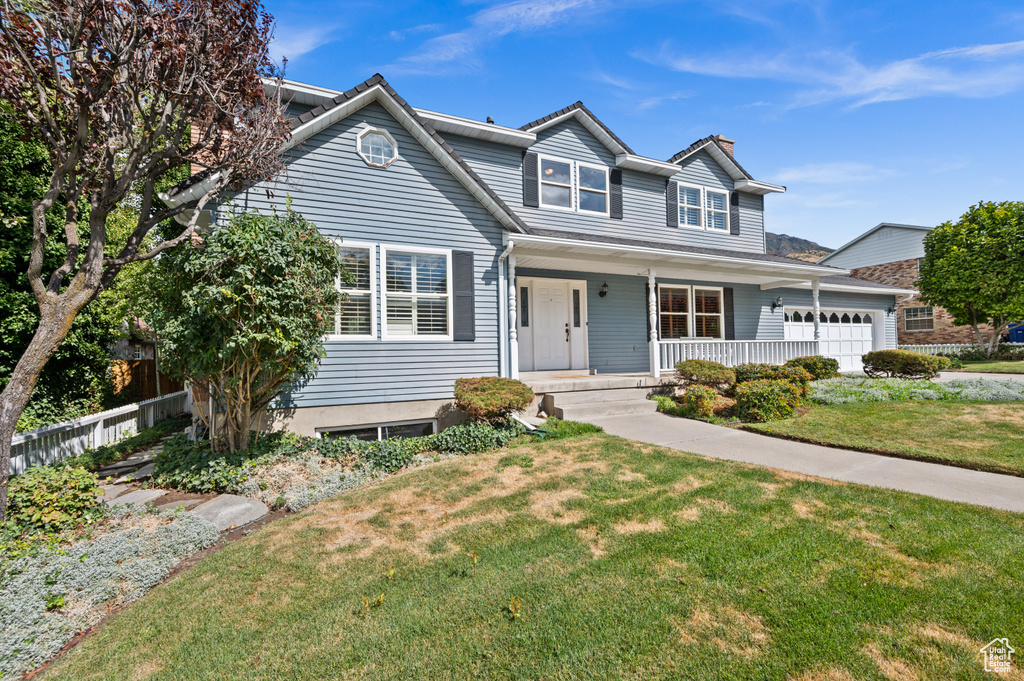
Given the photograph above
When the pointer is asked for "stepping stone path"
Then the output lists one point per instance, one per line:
(231, 510)
(138, 466)
(139, 496)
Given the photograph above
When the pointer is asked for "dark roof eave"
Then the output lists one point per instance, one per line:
(577, 106)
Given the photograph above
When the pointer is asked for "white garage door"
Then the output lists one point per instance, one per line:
(845, 336)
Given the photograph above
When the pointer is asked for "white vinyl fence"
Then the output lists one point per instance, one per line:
(950, 348)
(51, 444)
(731, 353)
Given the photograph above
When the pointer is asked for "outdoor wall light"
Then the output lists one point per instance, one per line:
(890, 311)
(777, 303)
(604, 290)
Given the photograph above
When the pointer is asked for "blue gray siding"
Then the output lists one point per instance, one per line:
(889, 244)
(643, 195)
(413, 202)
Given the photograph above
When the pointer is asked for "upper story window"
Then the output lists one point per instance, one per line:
(417, 303)
(354, 316)
(573, 185)
(703, 208)
(377, 147)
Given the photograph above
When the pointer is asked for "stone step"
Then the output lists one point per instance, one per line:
(586, 412)
(586, 383)
(590, 396)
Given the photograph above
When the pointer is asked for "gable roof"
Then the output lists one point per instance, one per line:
(871, 231)
(343, 104)
(589, 121)
(744, 180)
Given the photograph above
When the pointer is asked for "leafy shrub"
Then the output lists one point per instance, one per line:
(954, 360)
(558, 429)
(903, 364)
(703, 372)
(51, 499)
(396, 453)
(194, 467)
(767, 400)
(467, 438)
(859, 389)
(817, 366)
(796, 375)
(700, 400)
(491, 398)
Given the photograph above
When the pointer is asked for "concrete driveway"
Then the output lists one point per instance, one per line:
(934, 480)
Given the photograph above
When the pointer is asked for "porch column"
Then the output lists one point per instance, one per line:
(513, 336)
(652, 318)
(817, 310)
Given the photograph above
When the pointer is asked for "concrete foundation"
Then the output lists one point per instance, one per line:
(307, 420)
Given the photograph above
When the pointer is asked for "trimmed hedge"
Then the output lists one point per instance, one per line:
(798, 376)
(491, 398)
(817, 366)
(700, 400)
(767, 400)
(703, 372)
(903, 364)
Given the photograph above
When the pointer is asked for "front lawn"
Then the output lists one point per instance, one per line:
(1005, 367)
(587, 558)
(981, 435)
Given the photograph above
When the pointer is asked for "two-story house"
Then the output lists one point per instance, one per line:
(481, 249)
(890, 253)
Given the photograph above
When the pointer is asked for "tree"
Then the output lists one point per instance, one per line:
(974, 268)
(242, 315)
(123, 93)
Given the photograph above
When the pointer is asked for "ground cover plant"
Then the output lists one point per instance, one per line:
(602, 558)
(980, 435)
(856, 389)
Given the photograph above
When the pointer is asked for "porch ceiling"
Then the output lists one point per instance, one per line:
(574, 256)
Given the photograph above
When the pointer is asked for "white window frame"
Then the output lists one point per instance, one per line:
(379, 131)
(137, 353)
(721, 313)
(920, 307)
(384, 249)
(689, 308)
(571, 186)
(709, 211)
(607, 193)
(323, 432)
(372, 247)
(705, 211)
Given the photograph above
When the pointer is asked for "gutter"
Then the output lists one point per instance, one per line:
(503, 348)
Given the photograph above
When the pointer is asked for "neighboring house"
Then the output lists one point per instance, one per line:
(480, 249)
(891, 254)
(134, 368)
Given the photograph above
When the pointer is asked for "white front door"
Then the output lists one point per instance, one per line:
(551, 347)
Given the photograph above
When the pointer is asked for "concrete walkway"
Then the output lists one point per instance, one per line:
(934, 480)
(954, 375)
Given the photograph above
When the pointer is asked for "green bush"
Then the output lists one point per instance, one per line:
(798, 376)
(703, 372)
(666, 405)
(954, 360)
(767, 400)
(700, 400)
(467, 438)
(817, 366)
(491, 398)
(51, 499)
(903, 364)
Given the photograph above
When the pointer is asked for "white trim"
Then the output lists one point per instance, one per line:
(372, 336)
(714, 211)
(577, 338)
(423, 338)
(386, 135)
(930, 318)
(595, 128)
(646, 165)
(688, 313)
(607, 193)
(760, 188)
(720, 314)
(705, 210)
(467, 127)
(320, 432)
(700, 207)
(571, 186)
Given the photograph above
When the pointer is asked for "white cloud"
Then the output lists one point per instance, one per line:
(422, 28)
(292, 42)
(839, 172)
(457, 51)
(976, 71)
(658, 100)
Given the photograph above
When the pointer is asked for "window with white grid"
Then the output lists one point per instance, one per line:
(354, 314)
(417, 300)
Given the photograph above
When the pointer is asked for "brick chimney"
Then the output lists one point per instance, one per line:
(726, 143)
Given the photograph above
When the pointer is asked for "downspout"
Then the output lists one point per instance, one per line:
(503, 366)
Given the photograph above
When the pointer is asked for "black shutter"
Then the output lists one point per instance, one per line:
(734, 213)
(672, 203)
(531, 186)
(730, 320)
(615, 194)
(464, 301)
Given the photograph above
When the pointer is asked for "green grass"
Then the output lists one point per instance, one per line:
(1007, 367)
(981, 435)
(630, 561)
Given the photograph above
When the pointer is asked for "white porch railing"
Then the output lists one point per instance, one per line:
(731, 353)
(950, 348)
(60, 441)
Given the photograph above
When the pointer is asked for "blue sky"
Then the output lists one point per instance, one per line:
(868, 112)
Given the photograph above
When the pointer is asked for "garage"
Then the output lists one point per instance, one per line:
(845, 335)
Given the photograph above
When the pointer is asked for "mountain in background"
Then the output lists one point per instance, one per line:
(794, 247)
